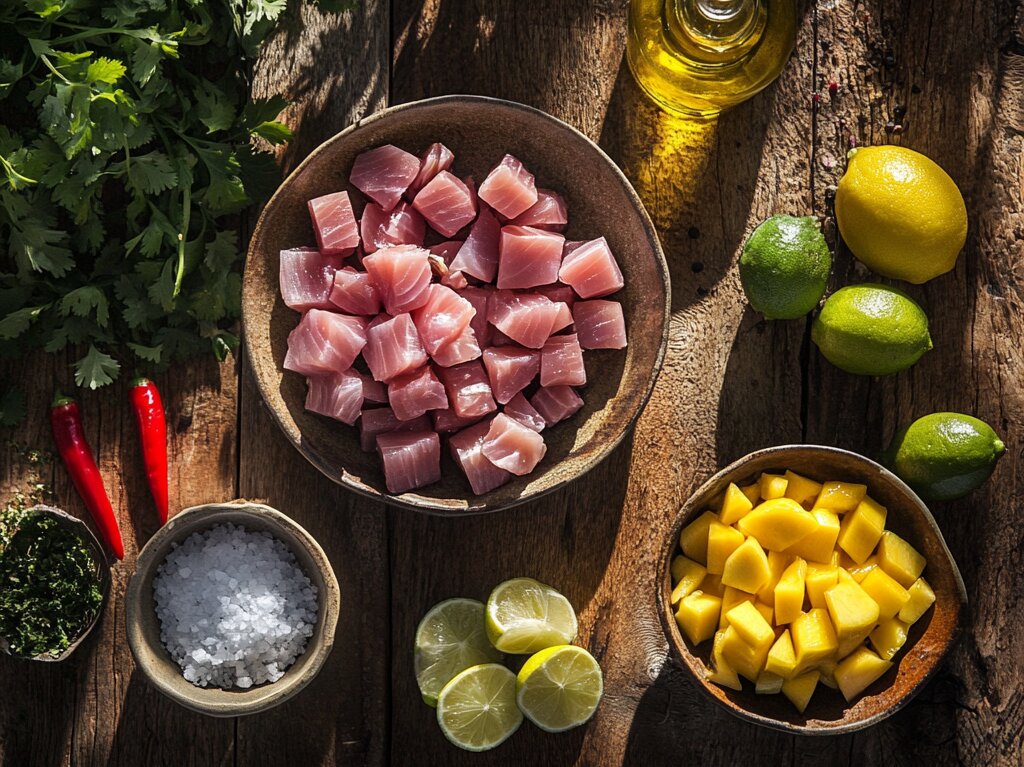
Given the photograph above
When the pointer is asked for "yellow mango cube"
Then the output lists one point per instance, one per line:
(899, 559)
(858, 671)
(753, 492)
(693, 539)
(852, 610)
(860, 572)
(687, 576)
(722, 541)
(789, 593)
(772, 486)
(827, 669)
(799, 689)
(801, 489)
(747, 660)
(767, 612)
(777, 564)
(921, 598)
(820, 578)
(747, 567)
(844, 576)
(721, 673)
(840, 497)
(861, 530)
(814, 639)
(890, 595)
(751, 625)
(849, 644)
(778, 523)
(888, 637)
(768, 684)
(730, 598)
(712, 584)
(781, 658)
(818, 545)
(734, 505)
(697, 616)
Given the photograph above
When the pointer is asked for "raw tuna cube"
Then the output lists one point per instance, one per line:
(590, 269)
(437, 158)
(324, 342)
(382, 420)
(455, 281)
(511, 446)
(393, 347)
(528, 257)
(556, 403)
(509, 188)
(526, 318)
(478, 256)
(549, 212)
(469, 393)
(353, 292)
(557, 292)
(411, 459)
(446, 421)
(510, 369)
(467, 450)
(383, 174)
(446, 203)
(563, 319)
(520, 409)
(402, 276)
(479, 297)
(462, 349)
(373, 391)
(338, 396)
(447, 250)
(442, 318)
(600, 324)
(415, 393)
(334, 223)
(381, 229)
(561, 362)
(306, 278)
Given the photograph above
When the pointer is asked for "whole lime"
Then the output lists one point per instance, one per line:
(943, 456)
(871, 330)
(784, 267)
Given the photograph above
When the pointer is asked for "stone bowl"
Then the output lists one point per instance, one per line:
(601, 202)
(929, 640)
(152, 658)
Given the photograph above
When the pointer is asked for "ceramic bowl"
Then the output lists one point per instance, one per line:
(152, 657)
(930, 638)
(480, 131)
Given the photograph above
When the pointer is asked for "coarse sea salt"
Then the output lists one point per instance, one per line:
(235, 608)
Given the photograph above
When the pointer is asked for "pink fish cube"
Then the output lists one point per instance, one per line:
(402, 225)
(324, 342)
(563, 319)
(479, 297)
(338, 396)
(462, 349)
(437, 158)
(402, 276)
(411, 459)
(591, 269)
(561, 362)
(413, 394)
(526, 318)
(510, 369)
(382, 420)
(306, 278)
(383, 174)
(445, 421)
(511, 446)
(528, 257)
(447, 250)
(446, 203)
(373, 391)
(557, 292)
(556, 403)
(469, 393)
(600, 324)
(467, 450)
(353, 292)
(520, 409)
(478, 256)
(442, 318)
(334, 224)
(549, 212)
(509, 188)
(455, 281)
(393, 347)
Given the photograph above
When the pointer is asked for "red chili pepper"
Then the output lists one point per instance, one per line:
(77, 456)
(149, 414)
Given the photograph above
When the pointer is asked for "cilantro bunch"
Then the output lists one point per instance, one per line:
(126, 157)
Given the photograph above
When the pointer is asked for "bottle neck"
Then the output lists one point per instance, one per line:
(716, 31)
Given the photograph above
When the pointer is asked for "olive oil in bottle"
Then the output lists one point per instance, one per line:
(698, 57)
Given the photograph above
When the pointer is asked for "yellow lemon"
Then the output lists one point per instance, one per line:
(900, 213)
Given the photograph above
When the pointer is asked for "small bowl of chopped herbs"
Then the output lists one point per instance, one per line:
(54, 579)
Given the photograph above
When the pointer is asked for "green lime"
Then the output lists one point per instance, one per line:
(524, 616)
(477, 709)
(943, 456)
(871, 330)
(784, 267)
(559, 688)
(450, 638)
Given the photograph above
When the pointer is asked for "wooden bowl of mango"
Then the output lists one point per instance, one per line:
(809, 590)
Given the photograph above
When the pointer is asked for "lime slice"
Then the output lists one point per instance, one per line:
(559, 688)
(524, 616)
(450, 638)
(477, 709)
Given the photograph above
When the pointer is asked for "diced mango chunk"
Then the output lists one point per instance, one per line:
(712, 584)
(858, 671)
(697, 616)
(734, 505)
(852, 610)
(820, 544)
(767, 612)
(747, 567)
(800, 488)
(849, 644)
(799, 689)
(778, 523)
(860, 572)
(721, 673)
(781, 657)
(890, 595)
(768, 683)
(746, 659)
(753, 492)
(840, 497)
(827, 669)
(861, 529)
(751, 625)
(899, 559)
(889, 637)
(814, 639)
(820, 578)
(687, 576)
(693, 539)
(772, 486)
(777, 564)
(789, 593)
(921, 598)
(722, 541)
(730, 598)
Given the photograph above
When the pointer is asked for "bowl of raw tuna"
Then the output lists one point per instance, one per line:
(455, 305)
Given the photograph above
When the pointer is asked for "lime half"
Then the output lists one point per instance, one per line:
(450, 638)
(477, 709)
(525, 616)
(559, 688)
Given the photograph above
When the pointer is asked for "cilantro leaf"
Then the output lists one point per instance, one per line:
(17, 322)
(148, 353)
(81, 301)
(151, 173)
(213, 108)
(96, 369)
(104, 70)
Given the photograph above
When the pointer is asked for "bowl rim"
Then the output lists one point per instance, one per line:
(676, 641)
(255, 699)
(427, 504)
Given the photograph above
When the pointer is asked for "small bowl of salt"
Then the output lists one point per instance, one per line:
(232, 609)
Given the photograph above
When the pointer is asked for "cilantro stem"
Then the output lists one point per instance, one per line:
(15, 176)
(185, 214)
(53, 69)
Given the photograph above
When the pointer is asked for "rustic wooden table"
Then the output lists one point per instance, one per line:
(731, 383)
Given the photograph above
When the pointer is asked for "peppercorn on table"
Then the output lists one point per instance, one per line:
(943, 77)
